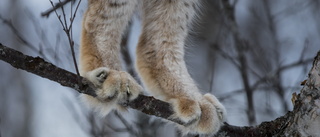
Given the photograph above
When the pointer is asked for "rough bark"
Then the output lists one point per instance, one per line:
(304, 120)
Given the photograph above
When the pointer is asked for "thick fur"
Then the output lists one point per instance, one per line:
(160, 60)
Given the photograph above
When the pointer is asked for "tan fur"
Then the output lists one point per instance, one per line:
(160, 60)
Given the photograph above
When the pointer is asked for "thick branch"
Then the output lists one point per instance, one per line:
(145, 104)
(38, 66)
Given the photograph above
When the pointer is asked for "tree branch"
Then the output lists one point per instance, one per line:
(150, 105)
(38, 66)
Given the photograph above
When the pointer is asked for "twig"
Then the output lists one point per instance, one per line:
(55, 7)
(67, 28)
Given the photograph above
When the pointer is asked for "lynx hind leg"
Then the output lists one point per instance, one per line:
(114, 90)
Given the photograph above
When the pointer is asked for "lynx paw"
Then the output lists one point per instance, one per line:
(186, 111)
(114, 89)
(221, 110)
(204, 115)
(213, 114)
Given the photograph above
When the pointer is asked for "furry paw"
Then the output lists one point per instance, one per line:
(203, 115)
(187, 111)
(213, 114)
(221, 110)
(114, 89)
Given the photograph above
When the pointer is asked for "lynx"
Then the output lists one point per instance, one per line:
(159, 60)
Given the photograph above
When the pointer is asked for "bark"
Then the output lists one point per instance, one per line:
(304, 120)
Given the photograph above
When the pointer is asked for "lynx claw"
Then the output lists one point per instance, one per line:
(102, 76)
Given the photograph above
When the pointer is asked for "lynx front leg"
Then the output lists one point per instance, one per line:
(160, 63)
(103, 25)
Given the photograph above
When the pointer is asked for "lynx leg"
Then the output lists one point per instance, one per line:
(103, 25)
(160, 63)
(160, 55)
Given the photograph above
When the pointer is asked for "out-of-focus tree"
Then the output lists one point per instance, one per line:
(247, 60)
(16, 95)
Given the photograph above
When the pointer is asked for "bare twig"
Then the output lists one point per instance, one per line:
(55, 7)
(67, 28)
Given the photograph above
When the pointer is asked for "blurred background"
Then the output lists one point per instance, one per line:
(251, 54)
